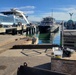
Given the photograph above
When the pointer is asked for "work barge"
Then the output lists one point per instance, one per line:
(14, 22)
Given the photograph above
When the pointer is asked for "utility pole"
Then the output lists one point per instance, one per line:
(61, 35)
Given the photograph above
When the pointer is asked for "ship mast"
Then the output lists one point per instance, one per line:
(52, 15)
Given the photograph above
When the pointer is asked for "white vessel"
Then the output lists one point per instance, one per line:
(13, 17)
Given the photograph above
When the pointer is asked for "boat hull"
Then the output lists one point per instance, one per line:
(44, 29)
(47, 29)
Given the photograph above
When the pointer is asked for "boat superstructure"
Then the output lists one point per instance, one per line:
(13, 20)
(12, 17)
(47, 24)
(47, 21)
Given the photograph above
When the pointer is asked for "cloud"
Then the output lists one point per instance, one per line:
(34, 18)
(29, 12)
(61, 13)
(58, 15)
(20, 8)
(69, 10)
(27, 7)
(61, 16)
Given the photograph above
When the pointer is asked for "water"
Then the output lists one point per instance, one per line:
(44, 38)
(48, 38)
(56, 39)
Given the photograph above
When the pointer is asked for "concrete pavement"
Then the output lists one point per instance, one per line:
(12, 59)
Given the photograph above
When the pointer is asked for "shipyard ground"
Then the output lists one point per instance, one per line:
(10, 64)
(11, 59)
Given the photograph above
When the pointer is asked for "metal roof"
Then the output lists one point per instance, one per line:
(7, 12)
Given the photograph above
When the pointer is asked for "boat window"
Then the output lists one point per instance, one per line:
(0, 26)
(6, 19)
(19, 19)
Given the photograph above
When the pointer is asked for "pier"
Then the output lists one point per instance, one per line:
(18, 25)
(36, 58)
(15, 52)
(31, 29)
(19, 30)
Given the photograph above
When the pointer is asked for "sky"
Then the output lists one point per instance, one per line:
(38, 9)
